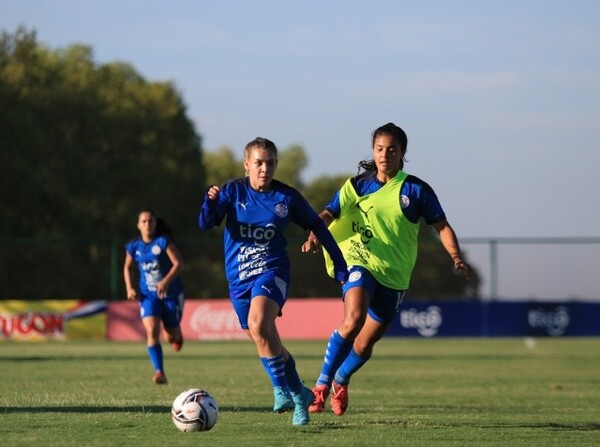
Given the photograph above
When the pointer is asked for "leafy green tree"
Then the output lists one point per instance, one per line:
(433, 275)
(222, 165)
(84, 147)
(320, 191)
(291, 162)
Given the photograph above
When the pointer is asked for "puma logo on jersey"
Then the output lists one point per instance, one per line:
(366, 213)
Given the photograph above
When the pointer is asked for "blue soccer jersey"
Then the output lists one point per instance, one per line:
(154, 264)
(417, 198)
(254, 230)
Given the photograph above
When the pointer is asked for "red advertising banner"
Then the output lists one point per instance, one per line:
(123, 321)
(211, 320)
(303, 319)
(310, 319)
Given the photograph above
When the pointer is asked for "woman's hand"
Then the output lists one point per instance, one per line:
(213, 192)
(312, 244)
(462, 267)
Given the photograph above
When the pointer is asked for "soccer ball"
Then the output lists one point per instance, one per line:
(194, 410)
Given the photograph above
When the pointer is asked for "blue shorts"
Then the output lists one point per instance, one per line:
(169, 310)
(385, 302)
(267, 285)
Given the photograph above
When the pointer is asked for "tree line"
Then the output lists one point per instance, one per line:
(86, 145)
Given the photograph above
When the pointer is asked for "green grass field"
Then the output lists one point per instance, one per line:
(414, 392)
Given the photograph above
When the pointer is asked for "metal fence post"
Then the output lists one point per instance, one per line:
(493, 269)
(114, 289)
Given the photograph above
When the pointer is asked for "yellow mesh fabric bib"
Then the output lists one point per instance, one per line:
(373, 232)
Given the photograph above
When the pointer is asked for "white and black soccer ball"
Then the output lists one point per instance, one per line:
(194, 410)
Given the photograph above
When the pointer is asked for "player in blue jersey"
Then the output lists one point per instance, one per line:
(375, 218)
(160, 290)
(258, 209)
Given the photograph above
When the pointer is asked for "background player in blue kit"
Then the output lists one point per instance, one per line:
(161, 292)
(258, 210)
(375, 218)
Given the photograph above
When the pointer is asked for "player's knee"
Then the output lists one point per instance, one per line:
(364, 348)
(256, 330)
(352, 324)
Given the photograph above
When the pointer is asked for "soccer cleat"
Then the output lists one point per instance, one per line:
(177, 345)
(283, 400)
(301, 403)
(339, 398)
(320, 393)
(308, 396)
(159, 378)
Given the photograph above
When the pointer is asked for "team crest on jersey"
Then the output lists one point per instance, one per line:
(354, 276)
(404, 201)
(281, 210)
(156, 250)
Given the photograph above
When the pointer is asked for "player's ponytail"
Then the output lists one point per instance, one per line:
(163, 229)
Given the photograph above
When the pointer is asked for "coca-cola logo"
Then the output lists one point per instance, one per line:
(32, 324)
(215, 322)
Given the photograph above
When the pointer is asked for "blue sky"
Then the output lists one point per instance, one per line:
(500, 99)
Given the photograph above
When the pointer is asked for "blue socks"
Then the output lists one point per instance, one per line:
(276, 369)
(335, 353)
(283, 374)
(156, 357)
(291, 375)
(352, 364)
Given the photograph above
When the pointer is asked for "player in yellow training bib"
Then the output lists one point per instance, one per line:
(374, 218)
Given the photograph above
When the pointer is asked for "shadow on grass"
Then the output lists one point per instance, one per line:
(120, 409)
(556, 426)
(438, 358)
(575, 426)
(127, 358)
